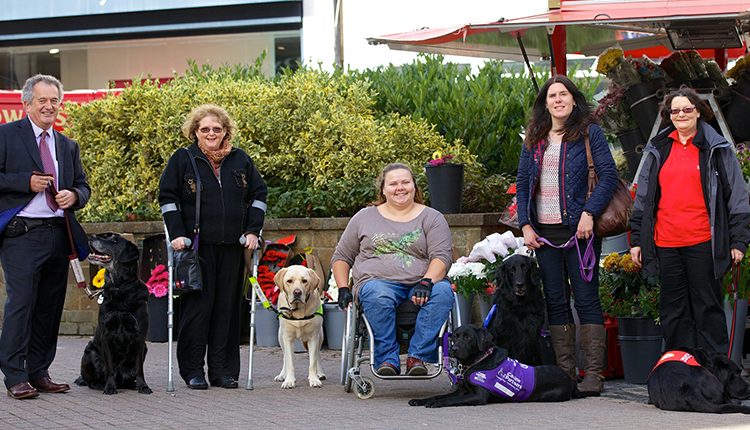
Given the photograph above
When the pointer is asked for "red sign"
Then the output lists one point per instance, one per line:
(11, 107)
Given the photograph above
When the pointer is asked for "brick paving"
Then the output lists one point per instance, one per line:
(623, 406)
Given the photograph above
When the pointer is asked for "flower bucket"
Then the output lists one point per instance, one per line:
(644, 105)
(739, 329)
(464, 303)
(618, 244)
(632, 144)
(334, 323)
(736, 116)
(266, 327)
(485, 304)
(446, 186)
(640, 345)
(157, 319)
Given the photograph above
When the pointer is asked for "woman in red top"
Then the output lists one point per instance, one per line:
(690, 221)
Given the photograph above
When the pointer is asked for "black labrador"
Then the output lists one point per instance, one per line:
(714, 386)
(114, 357)
(481, 382)
(520, 309)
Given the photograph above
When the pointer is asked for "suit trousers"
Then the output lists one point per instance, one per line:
(209, 319)
(690, 301)
(35, 265)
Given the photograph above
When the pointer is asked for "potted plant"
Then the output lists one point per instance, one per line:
(615, 118)
(445, 182)
(634, 301)
(158, 288)
(467, 279)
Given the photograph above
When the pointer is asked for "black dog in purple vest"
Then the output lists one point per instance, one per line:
(488, 375)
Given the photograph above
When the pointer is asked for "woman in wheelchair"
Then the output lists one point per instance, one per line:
(398, 250)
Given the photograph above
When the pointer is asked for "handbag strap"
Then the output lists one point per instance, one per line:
(593, 179)
(196, 229)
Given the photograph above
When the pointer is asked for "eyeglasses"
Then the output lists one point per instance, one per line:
(206, 130)
(686, 109)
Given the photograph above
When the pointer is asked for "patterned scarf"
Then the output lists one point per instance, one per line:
(216, 155)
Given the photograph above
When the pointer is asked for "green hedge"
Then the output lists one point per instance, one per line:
(487, 111)
(314, 136)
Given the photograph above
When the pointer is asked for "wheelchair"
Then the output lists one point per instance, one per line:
(358, 333)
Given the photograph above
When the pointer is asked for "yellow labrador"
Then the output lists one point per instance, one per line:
(299, 305)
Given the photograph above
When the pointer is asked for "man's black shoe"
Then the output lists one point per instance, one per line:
(225, 382)
(198, 383)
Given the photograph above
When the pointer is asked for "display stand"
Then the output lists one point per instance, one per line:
(718, 114)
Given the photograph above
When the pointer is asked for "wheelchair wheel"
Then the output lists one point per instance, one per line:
(365, 388)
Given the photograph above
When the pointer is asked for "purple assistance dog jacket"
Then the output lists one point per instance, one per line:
(511, 380)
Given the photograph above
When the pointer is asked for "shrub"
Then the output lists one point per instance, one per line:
(313, 136)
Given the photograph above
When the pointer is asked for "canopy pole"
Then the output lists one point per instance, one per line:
(557, 50)
(526, 59)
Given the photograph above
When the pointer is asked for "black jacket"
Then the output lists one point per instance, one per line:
(232, 205)
(724, 191)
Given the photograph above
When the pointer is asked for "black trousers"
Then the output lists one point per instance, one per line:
(35, 266)
(209, 320)
(690, 303)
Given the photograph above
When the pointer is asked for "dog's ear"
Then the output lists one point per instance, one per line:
(317, 283)
(485, 340)
(129, 254)
(278, 279)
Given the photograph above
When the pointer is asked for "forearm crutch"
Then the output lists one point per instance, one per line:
(170, 309)
(255, 290)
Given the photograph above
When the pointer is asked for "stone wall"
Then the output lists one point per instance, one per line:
(322, 234)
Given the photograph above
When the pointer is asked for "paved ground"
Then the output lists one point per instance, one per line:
(623, 406)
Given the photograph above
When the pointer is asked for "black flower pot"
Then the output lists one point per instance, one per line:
(736, 116)
(632, 144)
(644, 105)
(446, 186)
(157, 319)
(640, 345)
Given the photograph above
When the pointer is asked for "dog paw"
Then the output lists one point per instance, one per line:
(80, 381)
(280, 377)
(288, 383)
(435, 404)
(315, 382)
(110, 390)
(144, 389)
(416, 402)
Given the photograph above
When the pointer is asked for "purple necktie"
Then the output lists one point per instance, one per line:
(49, 168)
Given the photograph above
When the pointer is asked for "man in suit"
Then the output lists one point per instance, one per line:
(36, 160)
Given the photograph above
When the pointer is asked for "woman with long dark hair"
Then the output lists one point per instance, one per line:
(553, 210)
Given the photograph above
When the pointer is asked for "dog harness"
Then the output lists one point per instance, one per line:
(680, 356)
(318, 313)
(512, 380)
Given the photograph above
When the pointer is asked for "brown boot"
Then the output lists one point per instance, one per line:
(592, 344)
(564, 344)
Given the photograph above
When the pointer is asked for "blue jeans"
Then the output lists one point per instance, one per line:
(560, 274)
(380, 298)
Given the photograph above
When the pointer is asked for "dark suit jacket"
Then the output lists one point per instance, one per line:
(19, 156)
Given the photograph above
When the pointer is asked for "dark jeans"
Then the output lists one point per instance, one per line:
(209, 320)
(690, 303)
(560, 275)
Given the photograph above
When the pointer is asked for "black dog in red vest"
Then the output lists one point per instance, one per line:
(698, 381)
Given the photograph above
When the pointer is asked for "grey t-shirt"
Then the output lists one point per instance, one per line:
(378, 248)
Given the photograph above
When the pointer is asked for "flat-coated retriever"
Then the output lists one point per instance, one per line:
(114, 357)
(489, 376)
(698, 382)
(520, 309)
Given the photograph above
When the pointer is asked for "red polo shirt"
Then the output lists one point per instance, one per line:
(681, 217)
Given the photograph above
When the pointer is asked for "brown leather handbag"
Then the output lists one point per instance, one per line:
(614, 219)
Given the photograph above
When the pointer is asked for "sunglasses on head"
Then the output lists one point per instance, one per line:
(686, 109)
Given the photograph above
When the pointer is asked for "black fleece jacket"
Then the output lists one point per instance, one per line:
(231, 205)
